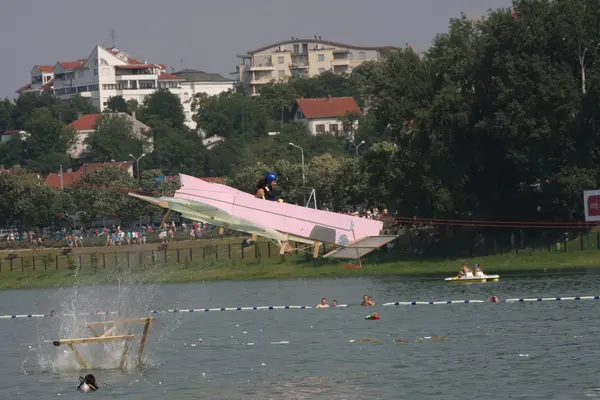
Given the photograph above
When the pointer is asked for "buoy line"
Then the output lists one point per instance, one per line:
(258, 308)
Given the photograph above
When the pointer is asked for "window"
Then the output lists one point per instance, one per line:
(321, 70)
(95, 71)
(186, 96)
(280, 60)
(299, 114)
(281, 73)
(362, 55)
(321, 57)
(333, 129)
(305, 48)
(320, 128)
(296, 48)
(93, 88)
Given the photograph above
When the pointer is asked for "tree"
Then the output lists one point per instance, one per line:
(350, 121)
(104, 193)
(30, 204)
(48, 143)
(323, 173)
(177, 150)
(231, 114)
(117, 104)
(6, 111)
(114, 139)
(164, 107)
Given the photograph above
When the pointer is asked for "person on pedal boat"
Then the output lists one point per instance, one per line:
(265, 188)
(478, 272)
(465, 272)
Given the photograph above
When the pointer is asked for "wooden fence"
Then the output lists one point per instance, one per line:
(210, 254)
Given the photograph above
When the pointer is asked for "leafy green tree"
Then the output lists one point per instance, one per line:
(104, 193)
(48, 143)
(231, 114)
(114, 139)
(323, 173)
(6, 111)
(164, 107)
(117, 104)
(177, 151)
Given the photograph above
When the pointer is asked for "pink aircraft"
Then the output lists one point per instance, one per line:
(283, 223)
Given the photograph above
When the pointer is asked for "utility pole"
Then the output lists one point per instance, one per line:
(356, 147)
(243, 136)
(62, 182)
(137, 163)
(112, 36)
(303, 174)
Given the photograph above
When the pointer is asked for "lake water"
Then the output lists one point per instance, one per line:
(545, 350)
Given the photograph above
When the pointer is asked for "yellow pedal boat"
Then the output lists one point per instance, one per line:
(473, 279)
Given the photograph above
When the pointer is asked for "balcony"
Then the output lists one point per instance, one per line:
(261, 81)
(134, 77)
(299, 66)
(340, 62)
(262, 67)
(262, 63)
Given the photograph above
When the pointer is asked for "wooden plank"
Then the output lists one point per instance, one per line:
(124, 355)
(120, 321)
(316, 249)
(79, 357)
(96, 339)
(143, 341)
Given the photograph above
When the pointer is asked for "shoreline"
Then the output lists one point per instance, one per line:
(298, 267)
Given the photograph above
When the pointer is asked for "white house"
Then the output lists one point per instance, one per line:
(110, 72)
(85, 125)
(7, 135)
(322, 116)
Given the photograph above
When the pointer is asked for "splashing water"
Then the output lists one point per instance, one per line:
(129, 299)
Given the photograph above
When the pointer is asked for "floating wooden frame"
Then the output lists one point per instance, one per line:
(109, 336)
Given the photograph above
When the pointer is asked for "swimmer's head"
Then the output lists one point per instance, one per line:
(87, 384)
(494, 299)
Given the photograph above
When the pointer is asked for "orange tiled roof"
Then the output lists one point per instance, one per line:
(165, 76)
(46, 68)
(69, 178)
(71, 65)
(24, 88)
(327, 107)
(88, 168)
(85, 123)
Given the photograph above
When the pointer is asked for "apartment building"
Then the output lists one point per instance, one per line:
(302, 57)
(110, 72)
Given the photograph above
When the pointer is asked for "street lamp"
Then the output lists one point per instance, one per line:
(356, 147)
(137, 163)
(303, 176)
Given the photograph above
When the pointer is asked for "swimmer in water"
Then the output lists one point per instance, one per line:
(323, 303)
(494, 299)
(87, 384)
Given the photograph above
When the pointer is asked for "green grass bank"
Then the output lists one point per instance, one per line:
(211, 268)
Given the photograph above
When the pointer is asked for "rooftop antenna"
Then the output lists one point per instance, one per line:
(112, 36)
(181, 61)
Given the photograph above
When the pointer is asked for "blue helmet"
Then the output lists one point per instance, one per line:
(270, 177)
